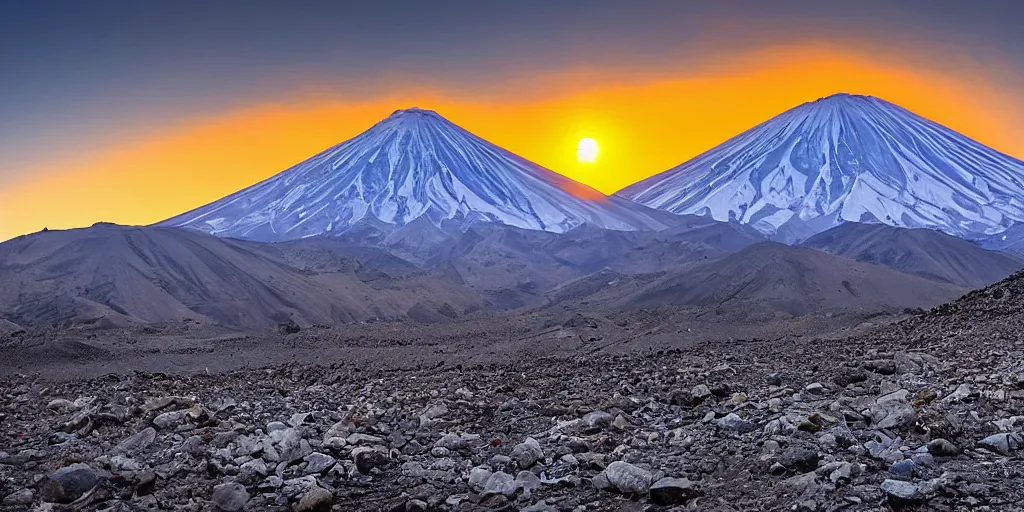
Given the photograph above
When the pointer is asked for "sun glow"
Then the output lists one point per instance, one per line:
(586, 150)
(647, 123)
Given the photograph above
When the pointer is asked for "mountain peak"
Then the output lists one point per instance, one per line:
(412, 112)
(843, 158)
(857, 104)
(842, 96)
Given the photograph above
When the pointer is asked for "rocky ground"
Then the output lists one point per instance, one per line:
(927, 413)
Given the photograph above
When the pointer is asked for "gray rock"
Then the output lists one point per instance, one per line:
(122, 463)
(882, 447)
(734, 423)
(1002, 443)
(316, 499)
(478, 477)
(135, 443)
(601, 482)
(443, 464)
(193, 446)
(457, 441)
(413, 448)
(254, 467)
(270, 453)
(334, 444)
(495, 502)
(597, 419)
(528, 482)
(435, 411)
(881, 366)
(628, 478)
(340, 429)
(893, 410)
(271, 484)
(527, 453)
(397, 440)
(358, 439)
(69, 483)
(499, 461)
(21, 497)
(901, 493)
(60, 404)
(295, 487)
(246, 445)
(962, 392)
(169, 420)
(367, 458)
(620, 423)
(815, 388)
(30, 454)
(845, 473)
(904, 469)
(155, 404)
(223, 439)
(700, 392)
(799, 458)
(229, 497)
(540, 506)
(671, 491)
(925, 460)
(299, 418)
(222, 403)
(289, 444)
(317, 462)
(500, 483)
(942, 448)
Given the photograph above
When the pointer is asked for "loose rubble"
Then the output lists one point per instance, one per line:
(929, 414)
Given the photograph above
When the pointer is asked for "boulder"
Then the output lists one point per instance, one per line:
(316, 499)
(229, 497)
(527, 453)
(672, 491)
(135, 443)
(628, 478)
(69, 483)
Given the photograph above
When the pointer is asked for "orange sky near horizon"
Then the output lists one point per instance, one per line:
(645, 123)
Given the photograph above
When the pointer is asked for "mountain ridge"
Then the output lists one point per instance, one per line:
(923, 252)
(845, 158)
(109, 275)
(412, 164)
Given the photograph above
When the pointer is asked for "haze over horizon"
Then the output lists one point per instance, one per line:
(127, 120)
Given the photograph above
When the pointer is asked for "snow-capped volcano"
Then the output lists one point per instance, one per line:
(414, 163)
(845, 158)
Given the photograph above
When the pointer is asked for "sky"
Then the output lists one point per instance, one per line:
(132, 112)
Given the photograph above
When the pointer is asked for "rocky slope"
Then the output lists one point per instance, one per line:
(110, 276)
(922, 252)
(923, 413)
(770, 278)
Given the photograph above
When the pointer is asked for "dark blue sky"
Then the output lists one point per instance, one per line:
(73, 71)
